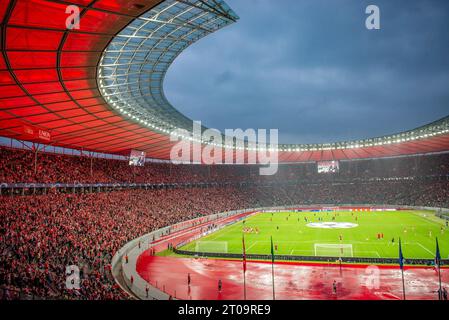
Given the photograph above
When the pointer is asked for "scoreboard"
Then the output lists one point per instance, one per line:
(328, 166)
(137, 158)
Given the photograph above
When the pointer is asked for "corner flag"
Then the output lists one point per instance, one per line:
(272, 251)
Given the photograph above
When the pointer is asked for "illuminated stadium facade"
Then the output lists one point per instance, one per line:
(100, 88)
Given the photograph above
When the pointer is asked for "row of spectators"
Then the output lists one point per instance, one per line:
(23, 166)
(429, 193)
(41, 235)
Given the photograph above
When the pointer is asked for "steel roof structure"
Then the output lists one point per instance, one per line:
(99, 87)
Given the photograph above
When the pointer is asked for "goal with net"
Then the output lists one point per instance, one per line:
(211, 246)
(333, 250)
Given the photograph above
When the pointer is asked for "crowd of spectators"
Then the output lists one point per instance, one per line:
(26, 166)
(428, 193)
(42, 234)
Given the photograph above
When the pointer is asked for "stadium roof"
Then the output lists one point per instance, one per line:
(99, 87)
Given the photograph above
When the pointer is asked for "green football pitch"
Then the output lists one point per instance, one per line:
(332, 234)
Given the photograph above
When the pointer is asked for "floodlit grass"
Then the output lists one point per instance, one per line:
(417, 230)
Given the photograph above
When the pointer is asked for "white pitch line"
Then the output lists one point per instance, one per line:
(307, 252)
(419, 244)
(251, 245)
(372, 251)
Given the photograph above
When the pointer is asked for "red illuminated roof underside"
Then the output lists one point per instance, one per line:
(48, 81)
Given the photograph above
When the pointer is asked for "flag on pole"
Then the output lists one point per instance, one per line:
(437, 266)
(244, 267)
(244, 255)
(401, 265)
(272, 266)
(401, 256)
(437, 256)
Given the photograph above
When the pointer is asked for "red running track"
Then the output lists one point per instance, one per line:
(292, 281)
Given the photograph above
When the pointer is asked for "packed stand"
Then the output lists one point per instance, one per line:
(25, 166)
(41, 235)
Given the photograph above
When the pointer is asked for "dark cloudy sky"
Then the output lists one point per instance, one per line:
(311, 69)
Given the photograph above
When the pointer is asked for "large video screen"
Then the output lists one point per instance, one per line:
(328, 166)
(137, 158)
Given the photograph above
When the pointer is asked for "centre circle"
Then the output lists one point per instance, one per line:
(332, 225)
